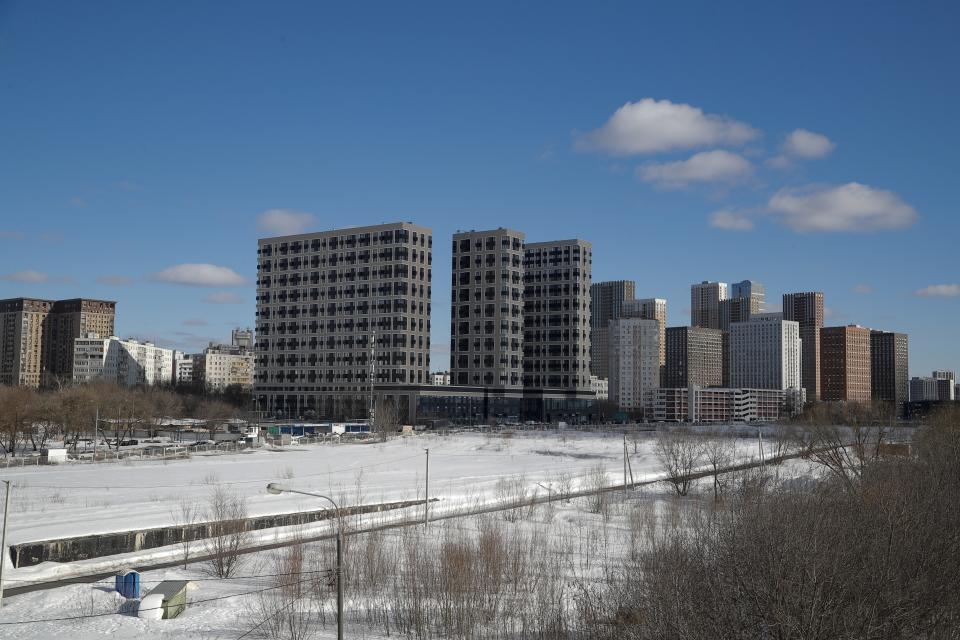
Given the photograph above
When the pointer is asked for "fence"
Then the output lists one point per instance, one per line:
(106, 455)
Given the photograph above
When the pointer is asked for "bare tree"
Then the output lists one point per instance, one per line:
(186, 515)
(679, 453)
(718, 452)
(227, 534)
(18, 407)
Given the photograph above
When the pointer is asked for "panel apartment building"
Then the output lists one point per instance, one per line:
(889, 365)
(37, 337)
(806, 309)
(606, 304)
(695, 357)
(765, 353)
(486, 311)
(556, 316)
(321, 299)
(845, 364)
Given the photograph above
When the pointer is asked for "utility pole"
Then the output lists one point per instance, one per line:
(426, 497)
(624, 465)
(96, 426)
(3, 539)
(760, 445)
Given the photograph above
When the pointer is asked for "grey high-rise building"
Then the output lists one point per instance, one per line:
(734, 310)
(694, 357)
(705, 300)
(751, 291)
(486, 324)
(321, 298)
(807, 310)
(606, 302)
(889, 363)
(556, 319)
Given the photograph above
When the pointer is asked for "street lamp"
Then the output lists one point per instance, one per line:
(277, 488)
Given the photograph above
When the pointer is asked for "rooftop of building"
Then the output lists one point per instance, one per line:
(386, 226)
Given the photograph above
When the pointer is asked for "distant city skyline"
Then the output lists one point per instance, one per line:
(143, 171)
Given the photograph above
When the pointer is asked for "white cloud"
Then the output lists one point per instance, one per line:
(863, 288)
(29, 276)
(730, 221)
(847, 207)
(706, 166)
(199, 275)
(940, 291)
(114, 280)
(284, 222)
(652, 126)
(222, 297)
(801, 143)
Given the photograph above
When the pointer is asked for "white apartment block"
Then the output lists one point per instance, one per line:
(634, 361)
(221, 366)
(128, 363)
(182, 368)
(650, 309)
(440, 378)
(765, 353)
(601, 387)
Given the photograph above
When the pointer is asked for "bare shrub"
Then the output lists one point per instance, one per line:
(596, 484)
(718, 452)
(186, 514)
(227, 533)
(679, 453)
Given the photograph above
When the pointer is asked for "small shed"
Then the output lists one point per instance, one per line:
(168, 599)
(53, 455)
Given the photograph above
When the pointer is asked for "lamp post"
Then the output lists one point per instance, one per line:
(276, 488)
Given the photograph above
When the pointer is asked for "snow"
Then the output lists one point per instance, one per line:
(465, 470)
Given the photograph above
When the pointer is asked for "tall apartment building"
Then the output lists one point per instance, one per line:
(705, 303)
(807, 310)
(634, 361)
(845, 364)
(37, 337)
(67, 321)
(21, 340)
(183, 368)
(923, 388)
(486, 323)
(765, 353)
(889, 365)
(694, 357)
(221, 366)
(751, 291)
(127, 363)
(320, 298)
(606, 303)
(946, 383)
(734, 310)
(556, 315)
(650, 309)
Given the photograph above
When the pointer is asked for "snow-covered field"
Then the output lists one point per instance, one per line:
(465, 470)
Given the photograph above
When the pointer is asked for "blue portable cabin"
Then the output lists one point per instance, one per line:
(127, 583)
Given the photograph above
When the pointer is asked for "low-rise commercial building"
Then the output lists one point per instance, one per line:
(714, 405)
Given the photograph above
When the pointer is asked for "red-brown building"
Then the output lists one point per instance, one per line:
(845, 364)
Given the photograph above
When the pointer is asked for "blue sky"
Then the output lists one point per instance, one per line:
(806, 145)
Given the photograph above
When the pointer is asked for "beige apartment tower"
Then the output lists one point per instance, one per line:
(37, 337)
(845, 364)
(705, 300)
(329, 301)
(556, 318)
(486, 323)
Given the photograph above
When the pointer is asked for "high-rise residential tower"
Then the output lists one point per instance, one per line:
(67, 321)
(807, 310)
(705, 303)
(606, 302)
(650, 309)
(751, 291)
(845, 364)
(556, 317)
(765, 353)
(486, 324)
(889, 363)
(321, 298)
(21, 340)
(694, 357)
(634, 361)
